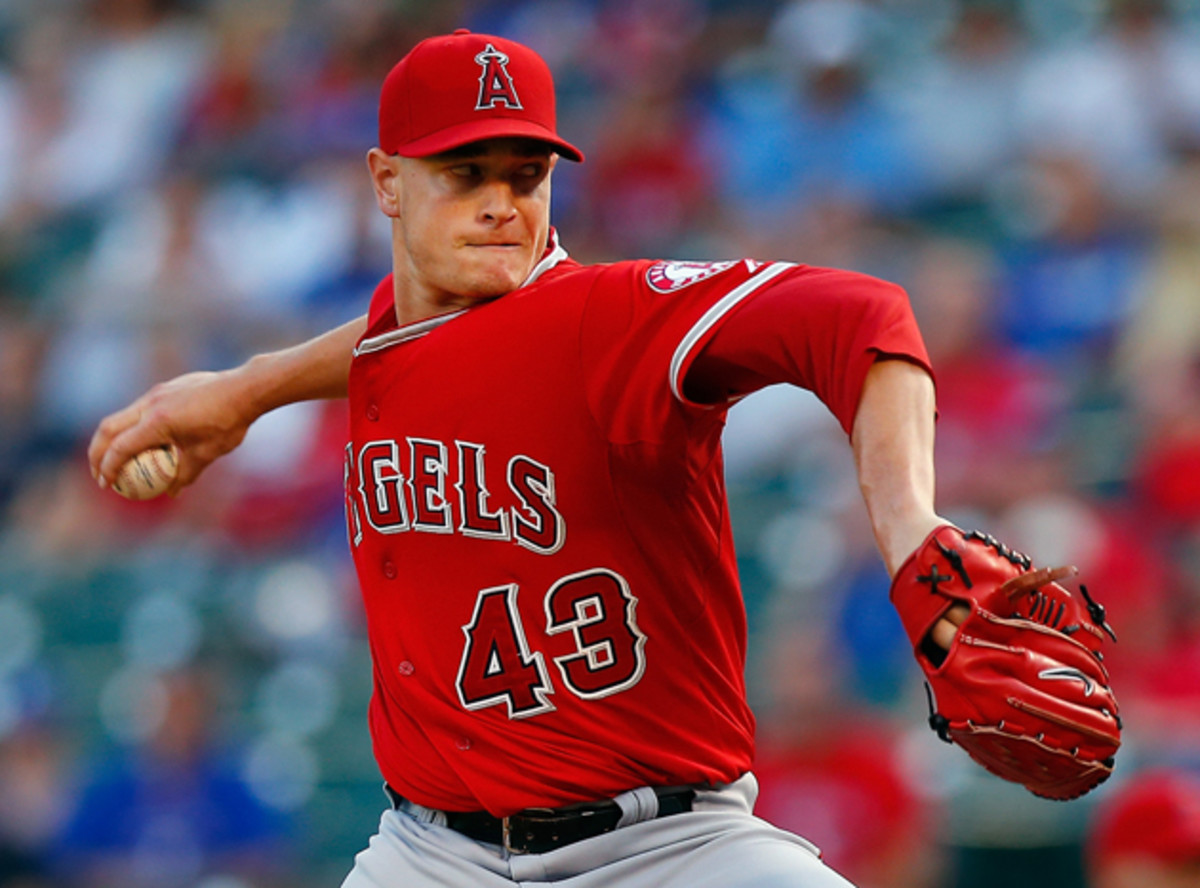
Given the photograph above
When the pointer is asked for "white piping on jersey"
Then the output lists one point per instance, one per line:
(404, 334)
(413, 331)
(717, 311)
(556, 255)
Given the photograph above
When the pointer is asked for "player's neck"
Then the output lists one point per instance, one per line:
(415, 303)
(448, 283)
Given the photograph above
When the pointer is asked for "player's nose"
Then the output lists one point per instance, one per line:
(498, 204)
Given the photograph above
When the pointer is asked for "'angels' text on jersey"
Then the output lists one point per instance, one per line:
(423, 484)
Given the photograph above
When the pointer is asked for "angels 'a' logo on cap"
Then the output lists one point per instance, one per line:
(667, 276)
(495, 83)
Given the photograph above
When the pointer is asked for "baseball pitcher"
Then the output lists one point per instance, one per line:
(536, 509)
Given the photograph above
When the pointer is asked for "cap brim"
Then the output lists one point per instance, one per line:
(493, 128)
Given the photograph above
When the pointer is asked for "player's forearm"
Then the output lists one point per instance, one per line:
(204, 415)
(893, 452)
(317, 368)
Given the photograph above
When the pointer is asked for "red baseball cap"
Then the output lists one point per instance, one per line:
(1156, 814)
(463, 87)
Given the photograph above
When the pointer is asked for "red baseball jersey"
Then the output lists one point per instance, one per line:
(539, 523)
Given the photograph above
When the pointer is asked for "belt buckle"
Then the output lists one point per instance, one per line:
(518, 840)
(522, 844)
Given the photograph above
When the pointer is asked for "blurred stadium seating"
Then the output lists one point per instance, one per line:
(182, 184)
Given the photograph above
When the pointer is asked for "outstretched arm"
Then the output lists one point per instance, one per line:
(206, 414)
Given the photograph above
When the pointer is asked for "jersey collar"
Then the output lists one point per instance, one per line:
(552, 256)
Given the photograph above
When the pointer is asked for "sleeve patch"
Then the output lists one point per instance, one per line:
(667, 277)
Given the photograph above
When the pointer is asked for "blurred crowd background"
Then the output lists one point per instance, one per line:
(183, 683)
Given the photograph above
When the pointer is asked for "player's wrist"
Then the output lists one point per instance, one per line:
(256, 387)
(902, 533)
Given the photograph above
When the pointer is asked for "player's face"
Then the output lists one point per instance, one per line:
(472, 223)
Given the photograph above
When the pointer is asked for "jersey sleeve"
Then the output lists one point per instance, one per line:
(665, 340)
(818, 328)
(641, 320)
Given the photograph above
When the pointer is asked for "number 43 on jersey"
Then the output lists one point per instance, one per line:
(593, 612)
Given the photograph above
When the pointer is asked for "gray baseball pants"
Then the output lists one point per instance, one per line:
(719, 844)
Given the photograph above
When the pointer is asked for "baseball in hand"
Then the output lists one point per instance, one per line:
(148, 474)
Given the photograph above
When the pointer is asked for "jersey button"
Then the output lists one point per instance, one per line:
(405, 668)
(463, 743)
(389, 570)
(373, 412)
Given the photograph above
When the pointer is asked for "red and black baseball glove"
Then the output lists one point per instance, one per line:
(1023, 687)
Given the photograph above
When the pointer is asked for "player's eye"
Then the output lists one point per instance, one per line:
(529, 175)
(466, 170)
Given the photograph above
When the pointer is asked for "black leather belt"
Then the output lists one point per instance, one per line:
(538, 830)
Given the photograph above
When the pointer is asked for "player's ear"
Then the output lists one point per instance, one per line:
(385, 177)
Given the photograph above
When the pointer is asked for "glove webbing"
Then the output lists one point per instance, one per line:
(1021, 560)
(1043, 610)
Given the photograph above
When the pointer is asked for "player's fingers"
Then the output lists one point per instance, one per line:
(946, 628)
(109, 428)
(127, 444)
(1025, 583)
